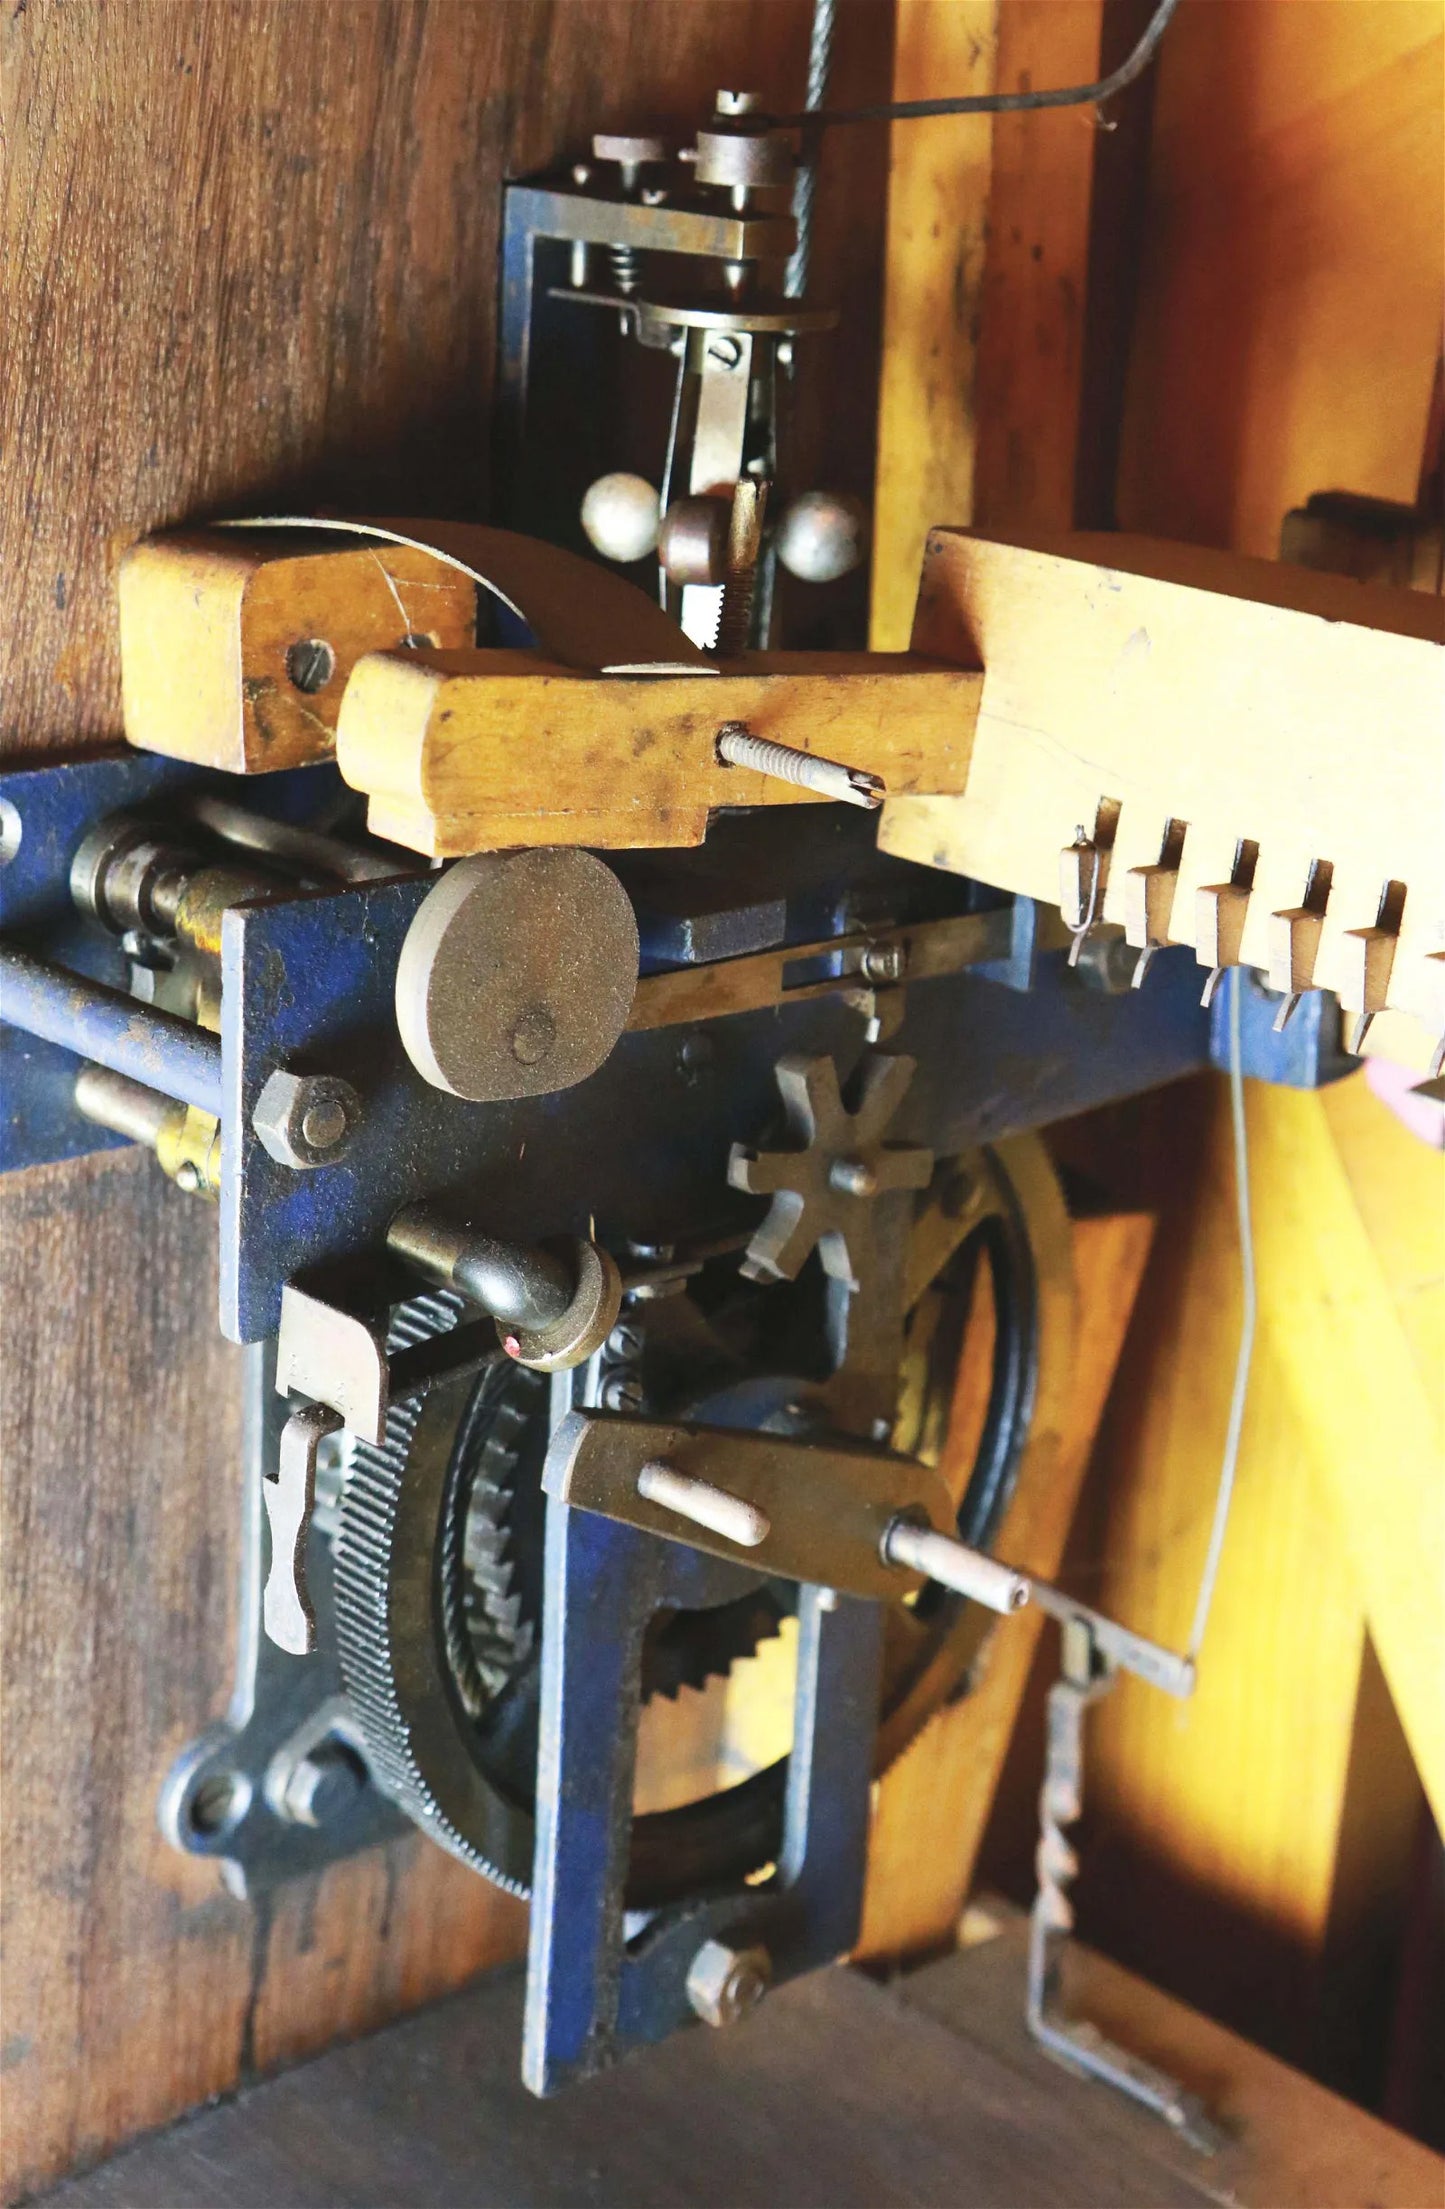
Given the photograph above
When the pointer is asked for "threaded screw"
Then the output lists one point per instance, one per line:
(737, 747)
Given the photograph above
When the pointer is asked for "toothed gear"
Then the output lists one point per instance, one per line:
(500, 1594)
(692, 1648)
(400, 1688)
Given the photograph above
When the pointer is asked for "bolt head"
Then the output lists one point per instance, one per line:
(852, 1177)
(622, 1392)
(1106, 962)
(533, 1036)
(323, 1784)
(305, 1120)
(884, 962)
(724, 1983)
(323, 1124)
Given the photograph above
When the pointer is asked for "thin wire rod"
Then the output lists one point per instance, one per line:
(997, 103)
(1245, 1355)
(805, 183)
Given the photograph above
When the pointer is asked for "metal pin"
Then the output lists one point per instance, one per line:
(736, 747)
(1143, 963)
(954, 1565)
(713, 1508)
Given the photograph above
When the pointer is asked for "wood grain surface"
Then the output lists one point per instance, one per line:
(250, 253)
(946, 2100)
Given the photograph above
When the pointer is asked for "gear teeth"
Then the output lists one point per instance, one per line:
(499, 1636)
(363, 1571)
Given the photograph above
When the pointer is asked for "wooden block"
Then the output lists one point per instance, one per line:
(1298, 712)
(236, 646)
(478, 751)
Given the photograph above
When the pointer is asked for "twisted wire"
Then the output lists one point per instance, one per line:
(805, 183)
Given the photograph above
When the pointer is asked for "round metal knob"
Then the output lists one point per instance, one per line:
(821, 536)
(619, 515)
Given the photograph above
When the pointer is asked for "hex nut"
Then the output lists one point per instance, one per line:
(724, 1983)
(306, 1120)
(323, 1785)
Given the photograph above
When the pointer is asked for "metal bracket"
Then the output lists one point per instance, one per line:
(601, 1983)
(287, 1752)
(1095, 1651)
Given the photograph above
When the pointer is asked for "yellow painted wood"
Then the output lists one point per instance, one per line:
(1373, 1438)
(1238, 1795)
(1398, 1185)
(938, 192)
(1294, 259)
(932, 1806)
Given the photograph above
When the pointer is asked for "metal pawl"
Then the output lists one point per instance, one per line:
(290, 1493)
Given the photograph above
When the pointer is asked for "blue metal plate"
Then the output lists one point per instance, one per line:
(55, 807)
(640, 1148)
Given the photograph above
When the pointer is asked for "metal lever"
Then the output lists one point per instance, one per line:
(290, 1493)
(1095, 1651)
(829, 1513)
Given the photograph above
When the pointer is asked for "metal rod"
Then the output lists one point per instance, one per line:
(526, 1288)
(698, 1500)
(954, 1565)
(327, 856)
(127, 1107)
(154, 1048)
(737, 747)
(1135, 1653)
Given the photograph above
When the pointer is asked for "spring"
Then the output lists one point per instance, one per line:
(625, 271)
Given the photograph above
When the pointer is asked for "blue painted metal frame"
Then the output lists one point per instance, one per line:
(641, 1146)
(56, 806)
(596, 1987)
(1306, 1054)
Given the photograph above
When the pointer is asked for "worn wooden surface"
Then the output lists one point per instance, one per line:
(1227, 696)
(1293, 265)
(1009, 283)
(837, 2094)
(938, 216)
(250, 258)
(251, 263)
(445, 744)
(209, 618)
(1253, 1851)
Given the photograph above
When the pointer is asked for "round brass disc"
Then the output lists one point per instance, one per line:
(517, 974)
